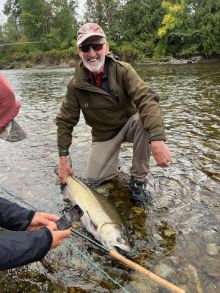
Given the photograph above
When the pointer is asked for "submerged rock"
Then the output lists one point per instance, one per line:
(212, 249)
(163, 270)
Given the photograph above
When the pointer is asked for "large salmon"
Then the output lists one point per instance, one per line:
(100, 217)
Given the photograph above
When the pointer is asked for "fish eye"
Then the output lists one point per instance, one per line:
(120, 240)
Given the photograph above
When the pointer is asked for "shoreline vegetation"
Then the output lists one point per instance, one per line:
(42, 32)
(48, 62)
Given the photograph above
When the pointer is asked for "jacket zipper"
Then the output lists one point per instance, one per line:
(99, 92)
(115, 98)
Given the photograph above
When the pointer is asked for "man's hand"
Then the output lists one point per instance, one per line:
(41, 220)
(58, 236)
(64, 169)
(161, 153)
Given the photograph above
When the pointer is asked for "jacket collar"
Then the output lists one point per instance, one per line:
(81, 82)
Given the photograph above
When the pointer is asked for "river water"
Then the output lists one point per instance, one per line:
(176, 236)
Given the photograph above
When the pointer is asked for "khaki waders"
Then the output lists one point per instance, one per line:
(103, 156)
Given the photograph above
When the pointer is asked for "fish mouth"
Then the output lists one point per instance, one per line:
(121, 248)
(125, 251)
(113, 236)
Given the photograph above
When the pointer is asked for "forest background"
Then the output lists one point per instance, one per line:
(44, 31)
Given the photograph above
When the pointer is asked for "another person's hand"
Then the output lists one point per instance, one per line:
(58, 235)
(41, 220)
(161, 153)
(64, 169)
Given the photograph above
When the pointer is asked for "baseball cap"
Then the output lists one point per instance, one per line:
(10, 130)
(88, 30)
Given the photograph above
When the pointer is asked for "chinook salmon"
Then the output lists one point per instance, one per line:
(100, 217)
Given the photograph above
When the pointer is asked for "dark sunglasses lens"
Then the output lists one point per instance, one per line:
(95, 47)
(85, 48)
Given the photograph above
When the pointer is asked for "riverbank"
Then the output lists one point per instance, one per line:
(46, 62)
(191, 60)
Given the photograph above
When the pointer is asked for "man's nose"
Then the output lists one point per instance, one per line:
(91, 50)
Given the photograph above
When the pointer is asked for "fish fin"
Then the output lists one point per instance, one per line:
(69, 161)
(92, 226)
(56, 170)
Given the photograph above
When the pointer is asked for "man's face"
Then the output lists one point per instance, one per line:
(93, 54)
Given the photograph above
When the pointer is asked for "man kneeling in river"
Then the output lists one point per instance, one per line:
(119, 106)
(33, 233)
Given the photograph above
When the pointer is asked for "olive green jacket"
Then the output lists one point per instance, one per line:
(107, 112)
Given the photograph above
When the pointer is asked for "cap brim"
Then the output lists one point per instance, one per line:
(82, 39)
(16, 133)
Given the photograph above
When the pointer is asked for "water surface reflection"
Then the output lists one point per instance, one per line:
(177, 236)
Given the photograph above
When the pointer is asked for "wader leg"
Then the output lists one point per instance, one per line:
(103, 156)
(141, 149)
(103, 160)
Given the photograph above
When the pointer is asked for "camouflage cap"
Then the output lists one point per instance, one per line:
(88, 30)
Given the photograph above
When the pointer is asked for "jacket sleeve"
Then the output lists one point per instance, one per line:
(19, 248)
(147, 102)
(66, 119)
(14, 217)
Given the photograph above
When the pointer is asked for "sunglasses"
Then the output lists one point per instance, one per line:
(95, 47)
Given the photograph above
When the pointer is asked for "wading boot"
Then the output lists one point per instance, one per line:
(139, 194)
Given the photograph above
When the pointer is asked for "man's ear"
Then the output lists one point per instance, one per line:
(106, 48)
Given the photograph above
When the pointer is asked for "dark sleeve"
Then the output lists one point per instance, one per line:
(66, 119)
(19, 248)
(147, 103)
(14, 217)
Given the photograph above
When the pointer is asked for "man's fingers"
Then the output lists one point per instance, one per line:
(63, 179)
(52, 217)
(62, 176)
(59, 236)
(163, 159)
(64, 233)
(43, 222)
(52, 226)
(167, 163)
(44, 218)
(64, 173)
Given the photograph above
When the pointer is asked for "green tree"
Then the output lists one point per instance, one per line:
(140, 22)
(51, 21)
(106, 13)
(12, 9)
(207, 23)
(63, 18)
(172, 18)
(190, 27)
(35, 18)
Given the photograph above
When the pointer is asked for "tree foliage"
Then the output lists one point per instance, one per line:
(42, 19)
(106, 13)
(190, 27)
(140, 21)
(135, 28)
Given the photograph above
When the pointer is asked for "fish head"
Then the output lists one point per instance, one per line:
(114, 236)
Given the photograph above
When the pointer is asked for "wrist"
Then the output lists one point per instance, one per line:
(31, 216)
(157, 142)
(63, 159)
(63, 152)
